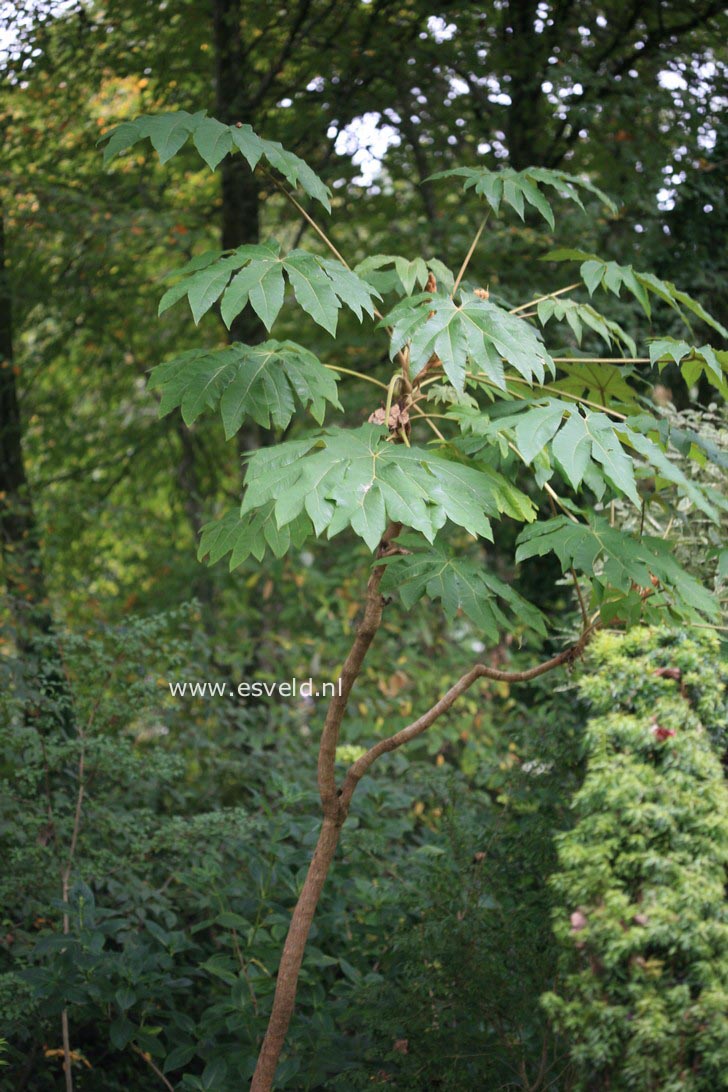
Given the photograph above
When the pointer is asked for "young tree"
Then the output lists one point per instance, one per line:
(509, 424)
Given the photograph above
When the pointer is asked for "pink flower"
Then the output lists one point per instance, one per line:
(578, 921)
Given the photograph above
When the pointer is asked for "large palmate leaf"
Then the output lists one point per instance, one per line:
(461, 584)
(592, 435)
(685, 440)
(213, 140)
(518, 188)
(475, 330)
(258, 381)
(354, 478)
(580, 315)
(693, 362)
(612, 277)
(606, 385)
(251, 535)
(585, 444)
(406, 273)
(630, 576)
(664, 468)
(320, 285)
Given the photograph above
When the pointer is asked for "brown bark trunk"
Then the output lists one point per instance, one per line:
(290, 965)
(526, 56)
(240, 201)
(335, 812)
(20, 538)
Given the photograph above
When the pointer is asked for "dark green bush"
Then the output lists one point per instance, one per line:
(471, 950)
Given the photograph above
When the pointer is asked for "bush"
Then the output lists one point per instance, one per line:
(643, 992)
(456, 1005)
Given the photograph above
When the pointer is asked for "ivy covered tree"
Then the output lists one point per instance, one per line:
(480, 426)
(642, 999)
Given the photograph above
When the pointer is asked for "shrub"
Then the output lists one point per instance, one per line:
(643, 994)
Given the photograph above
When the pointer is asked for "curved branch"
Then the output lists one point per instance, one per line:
(417, 727)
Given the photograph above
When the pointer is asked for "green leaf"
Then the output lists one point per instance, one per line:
(567, 186)
(706, 359)
(605, 384)
(612, 277)
(125, 998)
(249, 143)
(214, 1074)
(121, 1032)
(261, 284)
(461, 584)
(515, 187)
(257, 381)
(354, 478)
(320, 285)
(221, 966)
(572, 449)
(179, 1057)
(607, 450)
(313, 288)
(568, 254)
(232, 921)
(411, 273)
(443, 394)
(534, 197)
(204, 288)
(667, 469)
(296, 172)
(168, 132)
(251, 535)
(591, 274)
(475, 329)
(351, 289)
(213, 141)
(665, 349)
(204, 285)
(684, 440)
(617, 561)
(119, 139)
(538, 425)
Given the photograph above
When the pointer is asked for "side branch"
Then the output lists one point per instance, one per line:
(417, 727)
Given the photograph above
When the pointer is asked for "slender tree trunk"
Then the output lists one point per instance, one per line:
(290, 965)
(20, 546)
(188, 480)
(19, 539)
(526, 118)
(240, 200)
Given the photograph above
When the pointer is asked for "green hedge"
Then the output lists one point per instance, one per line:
(642, 996)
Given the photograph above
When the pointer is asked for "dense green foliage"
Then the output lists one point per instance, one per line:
(185, 869)
(642, 997)
(441, 890)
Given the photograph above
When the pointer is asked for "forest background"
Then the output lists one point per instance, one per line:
(197, 819)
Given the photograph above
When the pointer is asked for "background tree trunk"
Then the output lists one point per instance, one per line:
(20, 545)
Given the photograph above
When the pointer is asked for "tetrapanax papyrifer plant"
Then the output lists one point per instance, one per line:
(477, 425)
